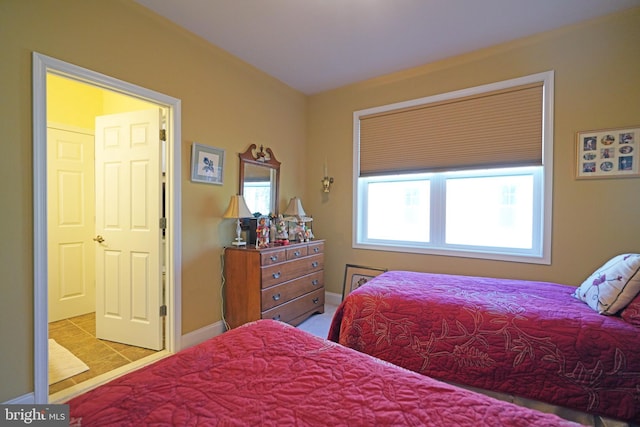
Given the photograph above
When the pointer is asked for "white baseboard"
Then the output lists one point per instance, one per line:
(332, 298)
(200, 335)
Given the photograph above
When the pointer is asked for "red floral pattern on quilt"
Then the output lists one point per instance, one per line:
(530, 339)
(631, 313)
(268, 373)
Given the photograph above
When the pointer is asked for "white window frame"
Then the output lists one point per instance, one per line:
(542, 227)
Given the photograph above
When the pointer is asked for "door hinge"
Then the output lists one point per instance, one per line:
(163, 223)
(163, 134)
(163, 310)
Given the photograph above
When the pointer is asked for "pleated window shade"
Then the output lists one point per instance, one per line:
(492, 129)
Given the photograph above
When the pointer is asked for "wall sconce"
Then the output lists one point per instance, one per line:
(327, 180)
(237, 209)
(326, 183)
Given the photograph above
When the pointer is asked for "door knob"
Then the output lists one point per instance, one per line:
(98, 239)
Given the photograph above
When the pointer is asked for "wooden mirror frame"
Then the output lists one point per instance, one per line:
(264, 158)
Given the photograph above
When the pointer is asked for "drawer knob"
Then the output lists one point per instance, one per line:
(276, 275)
(274, 257)
(316, 250)
(296, 253)
(276, 297)
(316, 300)
(277, 317)
(315, 282)
(314, 264)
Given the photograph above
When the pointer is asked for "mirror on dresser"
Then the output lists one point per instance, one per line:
(259, 184)
(259, 180)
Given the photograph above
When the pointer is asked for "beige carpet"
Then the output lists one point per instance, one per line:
(318, 324)
(62, 363)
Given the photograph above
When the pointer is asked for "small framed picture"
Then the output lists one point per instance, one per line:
(608, 153)
(207, 164)
(356, 276)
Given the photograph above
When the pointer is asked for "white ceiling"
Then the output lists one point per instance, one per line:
(316, 45)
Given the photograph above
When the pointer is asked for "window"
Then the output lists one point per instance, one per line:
(459, 181)
(394, 202)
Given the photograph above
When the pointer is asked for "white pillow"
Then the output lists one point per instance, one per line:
(611, 287)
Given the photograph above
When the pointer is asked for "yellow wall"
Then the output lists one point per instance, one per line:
(225, 104)
(597, 85)
(72, 103)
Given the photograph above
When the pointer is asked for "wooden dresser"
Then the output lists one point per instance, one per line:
(280, 282)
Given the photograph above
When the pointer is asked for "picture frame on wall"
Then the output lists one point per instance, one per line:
(356, 276)
(207, 164)
(608, 153)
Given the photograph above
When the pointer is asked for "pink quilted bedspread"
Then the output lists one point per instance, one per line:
(529, 339)
(268, 373)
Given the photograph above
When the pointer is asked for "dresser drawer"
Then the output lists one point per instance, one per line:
(273, 257)
(283, 272)
(315, 248)
(293, 309)
(278, 294)
(297, 252)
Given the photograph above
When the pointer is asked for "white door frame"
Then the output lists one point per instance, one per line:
(42, 65)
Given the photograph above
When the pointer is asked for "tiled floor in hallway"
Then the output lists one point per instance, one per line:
(78, 335)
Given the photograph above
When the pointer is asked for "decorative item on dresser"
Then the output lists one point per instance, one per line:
(284, 283)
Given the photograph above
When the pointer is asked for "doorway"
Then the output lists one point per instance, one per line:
(102, 168)
(42, 67)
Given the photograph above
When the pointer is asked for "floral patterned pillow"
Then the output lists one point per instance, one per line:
(631, 313)
(612, 287)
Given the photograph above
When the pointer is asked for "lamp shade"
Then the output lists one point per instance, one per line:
(295, 208)
(237, 208)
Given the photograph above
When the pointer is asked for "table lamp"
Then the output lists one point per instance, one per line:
(295, 209)
(237, 209)
(295, 212)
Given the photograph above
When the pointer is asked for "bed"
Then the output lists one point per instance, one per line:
(270, 373)
(533, 341)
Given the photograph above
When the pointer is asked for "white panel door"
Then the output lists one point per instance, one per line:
(70, 223)
(128, 234)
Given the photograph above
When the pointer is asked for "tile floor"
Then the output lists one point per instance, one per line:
(78, 335)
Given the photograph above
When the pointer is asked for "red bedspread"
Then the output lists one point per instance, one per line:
(529, 339)
(269, 373)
